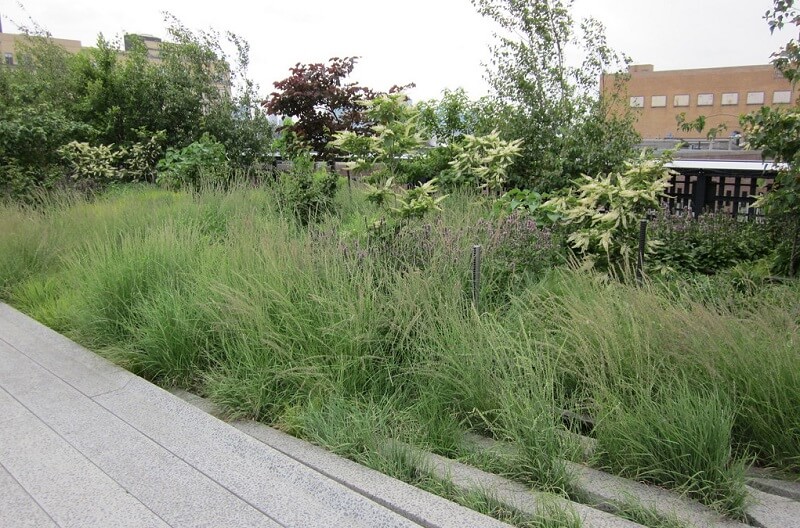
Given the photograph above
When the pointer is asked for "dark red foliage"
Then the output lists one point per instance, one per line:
(321, 102)
(317, 96)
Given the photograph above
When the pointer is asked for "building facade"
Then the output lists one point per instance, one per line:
(9, 48)
(721, 95)
(9, 45)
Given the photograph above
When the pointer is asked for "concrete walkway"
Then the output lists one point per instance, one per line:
(85, 444)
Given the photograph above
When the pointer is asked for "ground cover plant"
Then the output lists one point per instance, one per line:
(348, 339)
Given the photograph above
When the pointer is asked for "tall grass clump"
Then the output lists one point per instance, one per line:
(649, 362)
(25, 248)
(497, 381)
(677, 437)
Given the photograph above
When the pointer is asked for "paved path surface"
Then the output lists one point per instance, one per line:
(86, 444)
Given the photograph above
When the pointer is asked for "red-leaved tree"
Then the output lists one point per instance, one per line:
(322, 103)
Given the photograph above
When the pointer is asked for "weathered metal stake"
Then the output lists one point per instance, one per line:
(640, 259)
(476, 275)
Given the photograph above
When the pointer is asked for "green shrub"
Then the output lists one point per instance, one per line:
(91, 165)
(708, 244)
(199, 163)
(483, 162)
(603, 213)
(307, 193)
(431, 163)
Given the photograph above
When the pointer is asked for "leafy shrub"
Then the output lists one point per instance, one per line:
(707, 244)
(521, 201)
(418, 201)
(203, 161)
(307, 193)
(483, 161)
(29, 142)
(432, 163)
(91, 165)
(141, 158)
(397, 135)
(603, 213)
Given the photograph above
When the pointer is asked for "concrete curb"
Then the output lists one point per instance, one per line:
(770, 511)
(425, 509)
(610, 493)
(514, 494)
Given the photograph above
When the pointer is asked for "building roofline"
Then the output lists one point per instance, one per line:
(632, 69)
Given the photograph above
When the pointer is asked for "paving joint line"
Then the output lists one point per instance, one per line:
(27, 492)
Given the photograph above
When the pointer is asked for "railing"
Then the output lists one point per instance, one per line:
(710, 190)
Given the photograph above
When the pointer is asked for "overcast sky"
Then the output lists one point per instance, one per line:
(435, 43)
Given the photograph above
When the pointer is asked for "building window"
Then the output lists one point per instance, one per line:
(637, 101)
(658, 101)
(681, 100)
(705, 99)
(8, 58)
(782, 97)
(755, 98)
(729, 99)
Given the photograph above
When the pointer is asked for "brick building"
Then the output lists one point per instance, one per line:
(9, 41)
(719, 94)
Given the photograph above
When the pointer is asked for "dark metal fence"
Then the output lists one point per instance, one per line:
(718, 190)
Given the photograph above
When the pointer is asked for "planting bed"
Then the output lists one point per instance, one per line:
(346, 339)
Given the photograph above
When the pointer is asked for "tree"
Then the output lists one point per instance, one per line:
(100, 96)
(776, 132)
(453, 116)
(566, 127)
(322, 102)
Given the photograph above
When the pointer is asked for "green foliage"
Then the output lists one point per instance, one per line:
(91, 165)
(141, 157)
(787, 58)
(776, 132)
(698, 125)
(307, 193)
(417, 201)
(342, 339)
(708, 244)
(430, 163)
(518, 201)
(553, 107)
(102, 97)
(29, 142)
(450, 118)
(483, 161)
(196, 164)
(675, 437)
(603, 213)
(518, 251)
(397, 135)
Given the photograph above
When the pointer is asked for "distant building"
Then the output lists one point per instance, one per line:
(9, 41)
(8, 46)
(719, 94)
(153, 44)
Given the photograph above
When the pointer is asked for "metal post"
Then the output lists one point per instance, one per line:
(640, 259)
(476, 275)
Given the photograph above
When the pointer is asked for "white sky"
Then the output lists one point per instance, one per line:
(435, 43)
